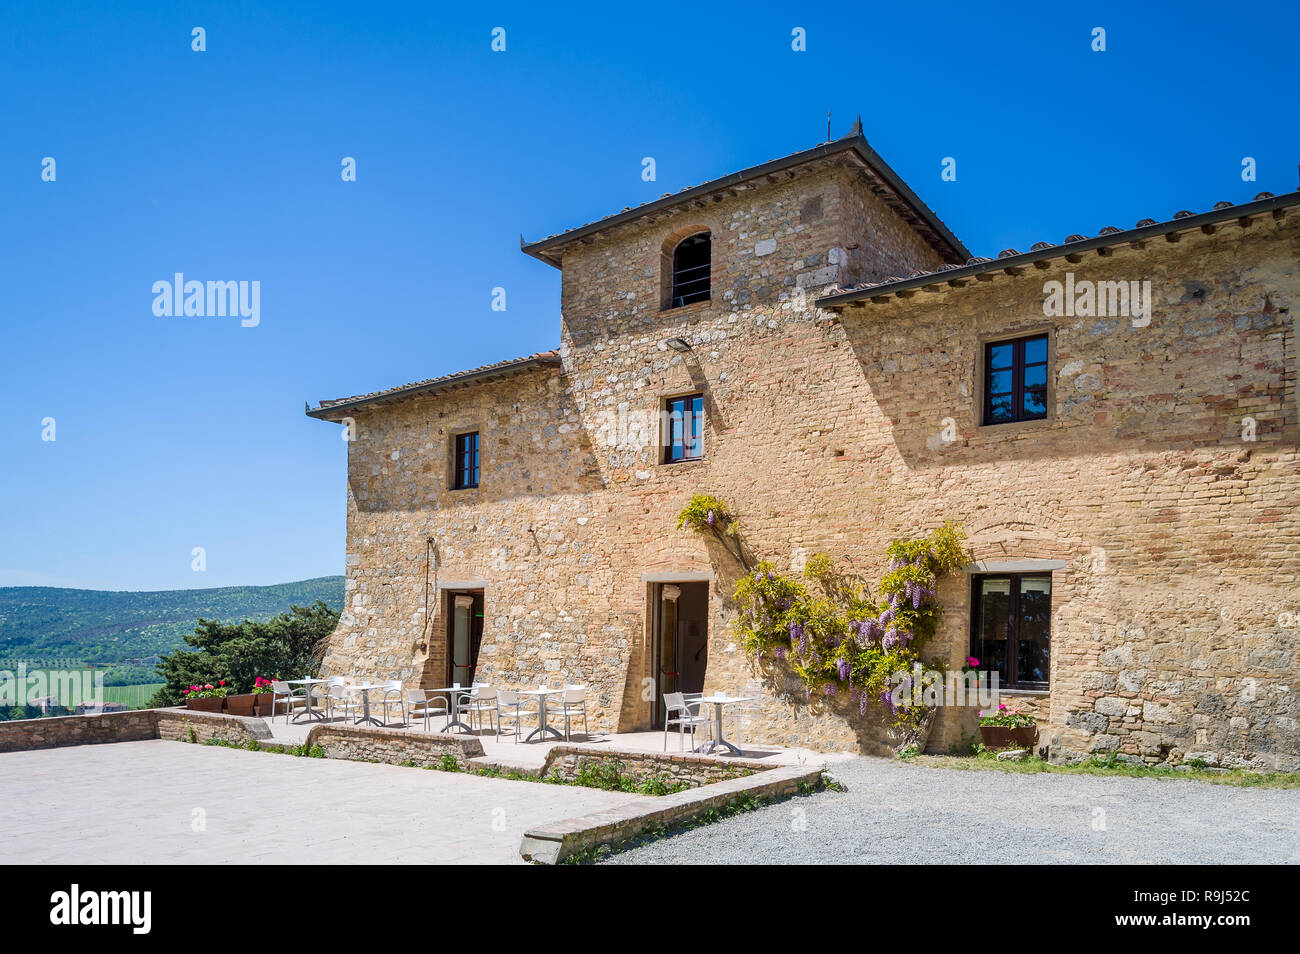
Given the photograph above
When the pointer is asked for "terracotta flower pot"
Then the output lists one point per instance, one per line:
(240, 705)
(205, 704)
(1005, 737)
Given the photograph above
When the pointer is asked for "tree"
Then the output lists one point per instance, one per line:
(287, 646)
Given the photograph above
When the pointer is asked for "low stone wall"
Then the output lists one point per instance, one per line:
(694, 770)
(552, 843)
(186, 725)
(393, 746)
(23, 734)
(134, 726)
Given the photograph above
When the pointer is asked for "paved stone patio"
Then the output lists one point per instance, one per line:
(505, 751)
(137, 803)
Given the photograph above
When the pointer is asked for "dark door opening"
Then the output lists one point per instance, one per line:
(681, 645)
(464, 633)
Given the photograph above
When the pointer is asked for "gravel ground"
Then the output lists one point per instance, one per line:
(914, 814)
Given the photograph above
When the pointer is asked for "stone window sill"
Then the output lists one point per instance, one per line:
(690, 309)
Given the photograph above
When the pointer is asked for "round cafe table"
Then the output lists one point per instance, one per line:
(307, 710)
(454, 695)
(718, 702)
(542, 727)
(364, 688)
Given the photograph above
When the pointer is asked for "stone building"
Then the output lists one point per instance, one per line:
(807, 340)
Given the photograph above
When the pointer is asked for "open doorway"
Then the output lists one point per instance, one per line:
(681, 643)
(464, 613)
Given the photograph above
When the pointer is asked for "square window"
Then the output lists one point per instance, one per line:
(465, 461)
(1011, 628)
(683, 428)
(1015, 380)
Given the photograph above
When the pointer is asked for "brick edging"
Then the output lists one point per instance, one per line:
(678, 758)
(552, 843)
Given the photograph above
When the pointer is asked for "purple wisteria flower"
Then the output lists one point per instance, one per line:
(779, 652)
(710, 518)
(830, 689)
(844, 669)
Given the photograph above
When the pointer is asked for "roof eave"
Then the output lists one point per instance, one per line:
(542, 250)
(1111, 240)
(333, 411)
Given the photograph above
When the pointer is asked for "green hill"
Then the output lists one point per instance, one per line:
(54, 628)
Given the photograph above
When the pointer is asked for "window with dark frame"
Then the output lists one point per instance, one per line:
(692, 265)
(465, 462)
(1015, 380)
(683, 428)
(1011, 627)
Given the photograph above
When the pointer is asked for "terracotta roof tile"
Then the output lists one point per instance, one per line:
(429, 384)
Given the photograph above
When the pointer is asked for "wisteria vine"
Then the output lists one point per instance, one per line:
(831, 631)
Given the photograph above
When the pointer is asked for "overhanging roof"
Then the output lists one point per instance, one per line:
(334, 409)
(1072, 249)
(880, 177)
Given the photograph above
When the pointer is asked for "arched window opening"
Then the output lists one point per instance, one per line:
(691, 270)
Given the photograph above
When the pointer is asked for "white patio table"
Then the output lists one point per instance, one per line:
(454, 695)
(718, 702)
(364, 688)
(307, 710)
(542, 727)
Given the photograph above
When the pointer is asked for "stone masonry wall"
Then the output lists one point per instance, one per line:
(694, 770)
(392, 746)
(132, 726)
(824, 433)
(1181, 540)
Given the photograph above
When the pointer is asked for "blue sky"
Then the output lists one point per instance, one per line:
(174, 433)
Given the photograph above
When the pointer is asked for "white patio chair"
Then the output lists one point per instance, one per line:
(683, 715)
(319, 694)
(693, 703)
(284, 694)
(511, 707)
(479, 702)
(332, 682)
(341, 697)
(574, 701)
(419, 704)
(393, 687)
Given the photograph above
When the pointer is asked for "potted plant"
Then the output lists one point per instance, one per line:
(206, 697)
(263, 697)
(1004, 728)
(240, 704)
